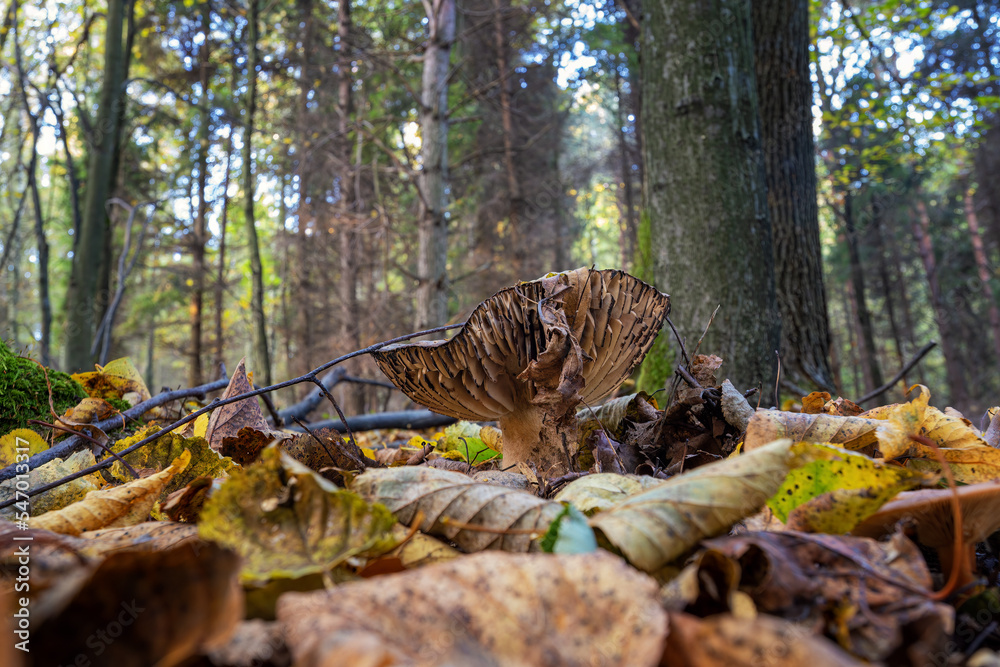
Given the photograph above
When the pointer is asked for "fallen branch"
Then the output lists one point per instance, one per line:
(68, 446)
(311, 376)
(921, 353)
(412, 419)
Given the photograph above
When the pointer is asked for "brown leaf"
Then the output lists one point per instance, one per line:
(497, 609)
(140, 608)
(725, 639)
(119, 506)
(244, 447)
(327, 450)
(472, 515)
(227, 420)
(849, 432)
(185, 504)
(870, 596)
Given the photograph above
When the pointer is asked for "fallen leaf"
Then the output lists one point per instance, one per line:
(614, 413)
(227, 420)
(160, 454)
(491, 608)
(140, 608)
(123, 505)
(596, 492)
(814, 402)
(658, 525)
(53, 499)
(19, 445)
(569, 534)
(969, 465)
(90, 410)
(848, 432)
(114, 380)
(472, 515)
(287, 521)
(835, 489)
(186, 504)
(725, 639)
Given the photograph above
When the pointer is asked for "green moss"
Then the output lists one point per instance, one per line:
(658, 365)
(24, 395)
(119, 404)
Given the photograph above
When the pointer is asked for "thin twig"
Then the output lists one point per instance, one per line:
(707, 327)
(88, 438)
(308, 377)
(677, 336)
(269, 404)
(903, 371)
(316, 438)
(340, 413)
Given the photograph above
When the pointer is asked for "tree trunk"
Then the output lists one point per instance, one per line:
(352, 208)
(868, 351)
(784, 89)
(432, 251)
(629, 224)
(518, 245)
(983, 268)
(220, 280)
(200, 227)
(262, 360)
(952, 361)
(888, 291)
(704, 184)
(304, 289)
(42, 245)
(81, 296)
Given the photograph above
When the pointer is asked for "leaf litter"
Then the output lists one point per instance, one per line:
(701, 533)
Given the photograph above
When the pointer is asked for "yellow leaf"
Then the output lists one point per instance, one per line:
(124, 505)
(835, 489)
(20, 444)
(850, 432)
(970, 465)
(115, 380)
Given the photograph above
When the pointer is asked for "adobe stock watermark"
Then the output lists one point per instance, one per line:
(22, 510)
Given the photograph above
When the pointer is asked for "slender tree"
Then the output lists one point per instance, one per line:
(704, 184)
(199, 238)
(262, 360)
(81, 296)
(432, 251)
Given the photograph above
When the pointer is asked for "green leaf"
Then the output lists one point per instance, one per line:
(835, 489)
(286, 521)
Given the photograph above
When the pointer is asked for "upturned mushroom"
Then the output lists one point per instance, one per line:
(932, 512)
(531, 353)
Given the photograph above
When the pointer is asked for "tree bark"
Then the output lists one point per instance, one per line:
(983, 269)
(262, 360)
(704, 184)
(81, 296)
(200, 227)
(432, 251)
(952, 361)
(629, 224)
(220, 279)
(869, 353)
(784, 89)
(518, 246)
(306, 207)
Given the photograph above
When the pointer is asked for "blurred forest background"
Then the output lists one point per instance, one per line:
(186, 183)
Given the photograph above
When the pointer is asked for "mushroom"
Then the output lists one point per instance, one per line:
(528, 355)
(932, 512)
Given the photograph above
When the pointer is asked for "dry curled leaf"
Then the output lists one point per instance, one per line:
(656, 526)
(115, 380)
(491, 608)
(140, 608)
(123, 505)
(227, 420)
(848, 432)
(474, 516)
(56, 498)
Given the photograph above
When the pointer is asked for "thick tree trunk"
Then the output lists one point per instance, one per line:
(81, 296)
(952, 360)
(704, 184)
(262, 360)
(784, 89)
(432, 251)
(983, 268)
(198, 265)
(869, 353)
(518, 245)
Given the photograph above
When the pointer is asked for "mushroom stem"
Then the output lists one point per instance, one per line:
(524, 441)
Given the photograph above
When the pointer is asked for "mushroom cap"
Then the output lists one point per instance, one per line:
(931, 510)
(614, 317)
